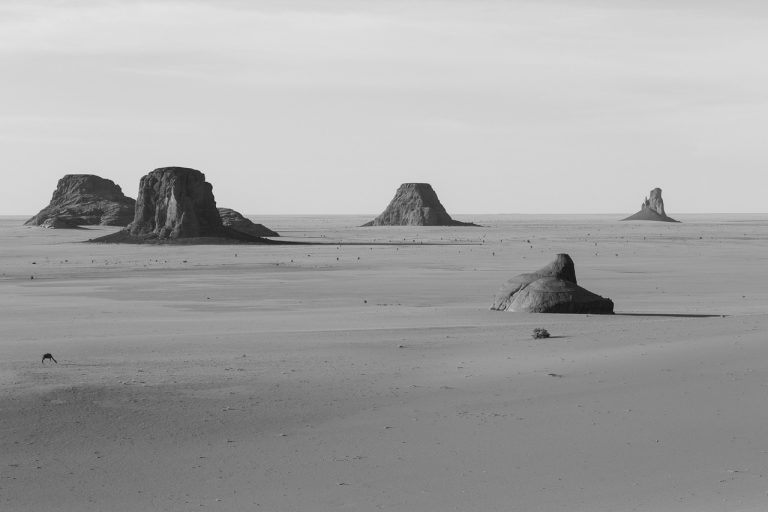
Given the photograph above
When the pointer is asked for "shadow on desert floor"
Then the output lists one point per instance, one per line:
(673, 315)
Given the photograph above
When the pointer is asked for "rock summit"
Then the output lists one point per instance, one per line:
(415, 204)
(86, 199)
(551, 289)
(175, 202)
(652, 209)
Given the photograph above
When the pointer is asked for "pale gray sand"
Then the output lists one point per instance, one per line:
(153, 406)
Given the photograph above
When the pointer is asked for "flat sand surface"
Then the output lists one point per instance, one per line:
(374, 377)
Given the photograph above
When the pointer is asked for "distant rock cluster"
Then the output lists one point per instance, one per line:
(85, 199)
(176, 205)
(551, 289)
(652, 209)
(415, 204)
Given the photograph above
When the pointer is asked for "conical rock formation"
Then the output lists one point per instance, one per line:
(652, 209)
(551, 289)
(86, 199)
(415, 204)
(238, 222)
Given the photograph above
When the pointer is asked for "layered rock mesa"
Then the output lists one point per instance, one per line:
(551, 289)
(415, 204)
(176, 204)
(238, 222)
(652, 209)
(86, 199)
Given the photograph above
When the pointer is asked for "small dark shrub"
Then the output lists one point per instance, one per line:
(539, 333)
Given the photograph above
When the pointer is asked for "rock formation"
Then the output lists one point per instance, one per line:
(237, 222)
(551, 289)
(652, 209)
(415, 204)
(86, 199)
(58, 223)
(175, 202)
(176, 205)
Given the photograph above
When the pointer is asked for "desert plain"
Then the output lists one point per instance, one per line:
(368, 373)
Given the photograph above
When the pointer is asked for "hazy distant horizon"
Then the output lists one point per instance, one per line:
(321, 108)
(617, 216)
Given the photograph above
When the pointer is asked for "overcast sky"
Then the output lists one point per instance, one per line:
(307, 106)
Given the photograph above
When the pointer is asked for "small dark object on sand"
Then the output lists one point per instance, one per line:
(48, 356)
(539, 333)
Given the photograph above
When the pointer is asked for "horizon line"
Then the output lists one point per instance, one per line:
(453, 214)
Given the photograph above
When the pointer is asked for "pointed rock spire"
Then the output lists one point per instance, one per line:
(652, 209)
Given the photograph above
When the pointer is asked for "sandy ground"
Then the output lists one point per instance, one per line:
(370, 377)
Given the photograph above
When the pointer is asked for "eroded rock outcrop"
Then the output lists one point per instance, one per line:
(652, 209)
(175, 202)
(238, 222)
(58, 223)
(551, 289)
(176, 205)
(415, 204)
(87, 199)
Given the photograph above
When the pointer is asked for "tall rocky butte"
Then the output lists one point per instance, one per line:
(652, 209)
(86, 199)
(415, 204)
(176, 204)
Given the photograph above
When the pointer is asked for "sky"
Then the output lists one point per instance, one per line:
(325, 107)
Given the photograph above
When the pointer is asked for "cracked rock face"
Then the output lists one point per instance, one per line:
(175, 202)
(415, 204)
(551, 289)
(86, 199)
(58, 223)
(652, 209)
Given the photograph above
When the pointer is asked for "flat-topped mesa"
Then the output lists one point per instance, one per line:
(238, 222)
(652, 209)
(175, 202)
(551, 289)
(176, 205)
(86, 199)
(415, 204)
